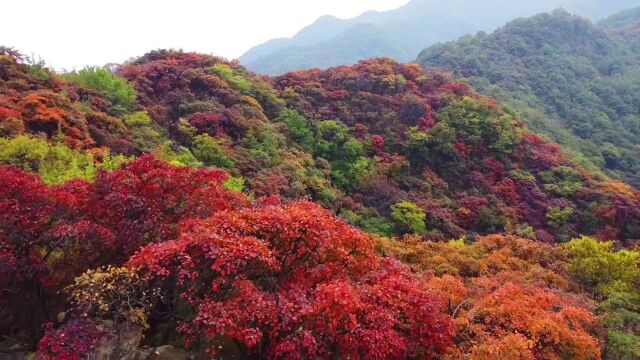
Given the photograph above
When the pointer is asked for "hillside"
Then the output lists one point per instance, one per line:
(370, 142)
(568, 78)
(164, 198)
(624, 25)
(401, 33)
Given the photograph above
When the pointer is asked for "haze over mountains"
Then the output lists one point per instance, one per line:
(402, 33)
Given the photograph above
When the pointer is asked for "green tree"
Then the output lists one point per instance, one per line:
(264, 143)
(476, 123)
(368, 221)
(237, 80)
(409, 217)
(614, 275)
(211, 152)
(331, 135)
(144, 132)
(299, 128)
(175, 155)
(56, 164)
(562, 180)
(235, 184)
(117, 90)
(557, 217)
(597, 266)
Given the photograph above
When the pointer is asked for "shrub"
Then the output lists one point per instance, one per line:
(299, 128)
(282, 281)
(113, 293)
(409, 217)
(211, 152)
(117, 90)
(56, 163)
(557, 217)
(75, 340)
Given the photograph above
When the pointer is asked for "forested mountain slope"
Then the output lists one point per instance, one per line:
(390, 147)
(159, 206)
(572, 80)
(402, 33)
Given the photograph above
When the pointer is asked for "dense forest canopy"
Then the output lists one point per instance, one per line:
(375, 142)
(180, 205)
(569, 79)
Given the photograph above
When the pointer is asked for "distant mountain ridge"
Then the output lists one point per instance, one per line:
(401, 33)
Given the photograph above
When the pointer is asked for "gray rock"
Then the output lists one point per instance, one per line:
(122, 346)
(168, 352)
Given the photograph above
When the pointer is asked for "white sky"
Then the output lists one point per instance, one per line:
(71, 34)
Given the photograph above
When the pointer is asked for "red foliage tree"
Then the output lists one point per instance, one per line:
(49, 234)
(144, 201)
(519, 322)
(294, 282)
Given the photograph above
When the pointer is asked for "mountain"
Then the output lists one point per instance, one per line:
(401, 33)
(625, 25)
(368, 141)
(320, 213)
(572, 80)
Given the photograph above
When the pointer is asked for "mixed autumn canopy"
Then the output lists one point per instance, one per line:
(373, 211)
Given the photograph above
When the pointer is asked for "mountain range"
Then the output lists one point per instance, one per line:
(402, 33)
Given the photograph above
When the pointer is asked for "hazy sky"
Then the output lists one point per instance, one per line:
(68, 34)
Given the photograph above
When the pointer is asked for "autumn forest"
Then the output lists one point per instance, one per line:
(180, 206)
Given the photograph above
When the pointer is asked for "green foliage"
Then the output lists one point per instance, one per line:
(622, 346)
(409, 217)
(39, 71)
(475, 123)
(263, 144)
(144, 132)
(347, 174)
(114, 162)
(401, 81)
(566, 77)
(368, 221)
(327, 198)
(234, 184)
(438, 142)
(614, 275)
(55, 163)
(237, 80)
(557, 217)
(346, 154)
(252, 86)
(117, 90)
(563, 181)
(211, 152)
(523, 175)
(596, 265)
(490, 221)
(175, 155)
(188, 130)
(299, 128)
(331, 135)
(525, 231)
